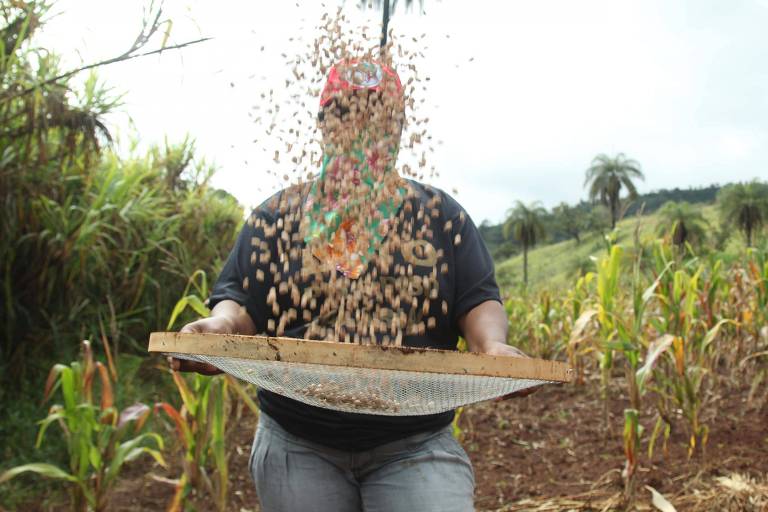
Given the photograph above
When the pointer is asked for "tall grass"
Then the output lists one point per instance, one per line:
(91, 243)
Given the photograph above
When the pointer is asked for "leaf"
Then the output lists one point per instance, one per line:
(243, 394)
(678, 344)
(182, 429)
(95, 458)
(167, 34)
(41, 468)
(155, 454)
(710, 336)
(129, 450)
(659, 501)
(654, 436)
(198, 305)
(108, 352)
(187, 397)
(52, 382)
(107, 397)
(88, 370)
(177, 310)
(68, 388)
(582, 322)
(655, 349)
(54, 414)
(648, 293)
(218, 432)
(132, 413)
(736, 482)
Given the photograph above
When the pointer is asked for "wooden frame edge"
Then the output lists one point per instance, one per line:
(382, 357)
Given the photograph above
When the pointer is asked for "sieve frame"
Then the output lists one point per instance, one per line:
(383, 357)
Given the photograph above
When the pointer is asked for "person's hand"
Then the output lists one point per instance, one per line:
(502, 349)
(213, 324)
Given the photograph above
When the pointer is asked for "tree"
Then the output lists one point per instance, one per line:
(524, 224)
(685, 223)
(570, 220)
(607, 176)
(744, 205)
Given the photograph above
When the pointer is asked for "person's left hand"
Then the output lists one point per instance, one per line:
(502, 349)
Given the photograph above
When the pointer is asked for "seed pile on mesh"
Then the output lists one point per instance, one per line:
(347, 209)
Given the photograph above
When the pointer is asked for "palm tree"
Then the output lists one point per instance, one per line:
(525, 224)
(745, 205)
(688, 225)
(607, 176)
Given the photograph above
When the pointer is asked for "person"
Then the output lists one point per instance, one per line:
(306, 458)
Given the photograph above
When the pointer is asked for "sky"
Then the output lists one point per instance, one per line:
(523, 94)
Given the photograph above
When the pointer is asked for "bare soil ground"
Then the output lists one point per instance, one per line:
(550, 451)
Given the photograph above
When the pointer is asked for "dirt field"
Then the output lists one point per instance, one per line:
(549, 451)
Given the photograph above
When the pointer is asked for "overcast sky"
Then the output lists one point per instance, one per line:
(523, 94)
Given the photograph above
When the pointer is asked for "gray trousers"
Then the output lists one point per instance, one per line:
(425, 472)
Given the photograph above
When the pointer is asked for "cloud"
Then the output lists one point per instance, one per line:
(522, 94)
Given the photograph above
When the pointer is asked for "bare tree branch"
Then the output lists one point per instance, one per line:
(121, 58)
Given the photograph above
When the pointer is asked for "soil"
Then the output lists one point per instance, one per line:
(548, 451)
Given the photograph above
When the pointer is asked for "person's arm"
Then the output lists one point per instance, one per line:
(227, 317)
(236, 308)
(485, 328)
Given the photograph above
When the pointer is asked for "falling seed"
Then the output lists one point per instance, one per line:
(245, 283)
(457, 239)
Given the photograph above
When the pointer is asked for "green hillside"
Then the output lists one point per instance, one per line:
(558, 264)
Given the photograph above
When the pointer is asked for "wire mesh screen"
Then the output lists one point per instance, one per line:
(366, 390)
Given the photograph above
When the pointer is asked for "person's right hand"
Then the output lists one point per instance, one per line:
(213, 324)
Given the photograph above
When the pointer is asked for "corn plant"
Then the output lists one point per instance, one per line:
(608, 274)
(100, 438)
(682, 377)
(200, 423)
(200, 426)
(578, 347)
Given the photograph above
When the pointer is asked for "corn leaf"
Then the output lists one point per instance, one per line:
(107, 396)
(182, 429)
(659, 501)
(41, 468)
(56, 413)
(187, 397)
(655, 349)
(243, 394)
(52, 382)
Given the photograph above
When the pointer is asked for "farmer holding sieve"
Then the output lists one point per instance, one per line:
(362, 255)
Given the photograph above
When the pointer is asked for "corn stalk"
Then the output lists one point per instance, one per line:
(100, 438)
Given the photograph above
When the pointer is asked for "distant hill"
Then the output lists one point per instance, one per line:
(501, 249)
(557, 264)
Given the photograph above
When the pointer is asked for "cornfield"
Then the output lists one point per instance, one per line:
(671, 331)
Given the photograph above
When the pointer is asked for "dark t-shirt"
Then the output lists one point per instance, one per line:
(465, 278)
